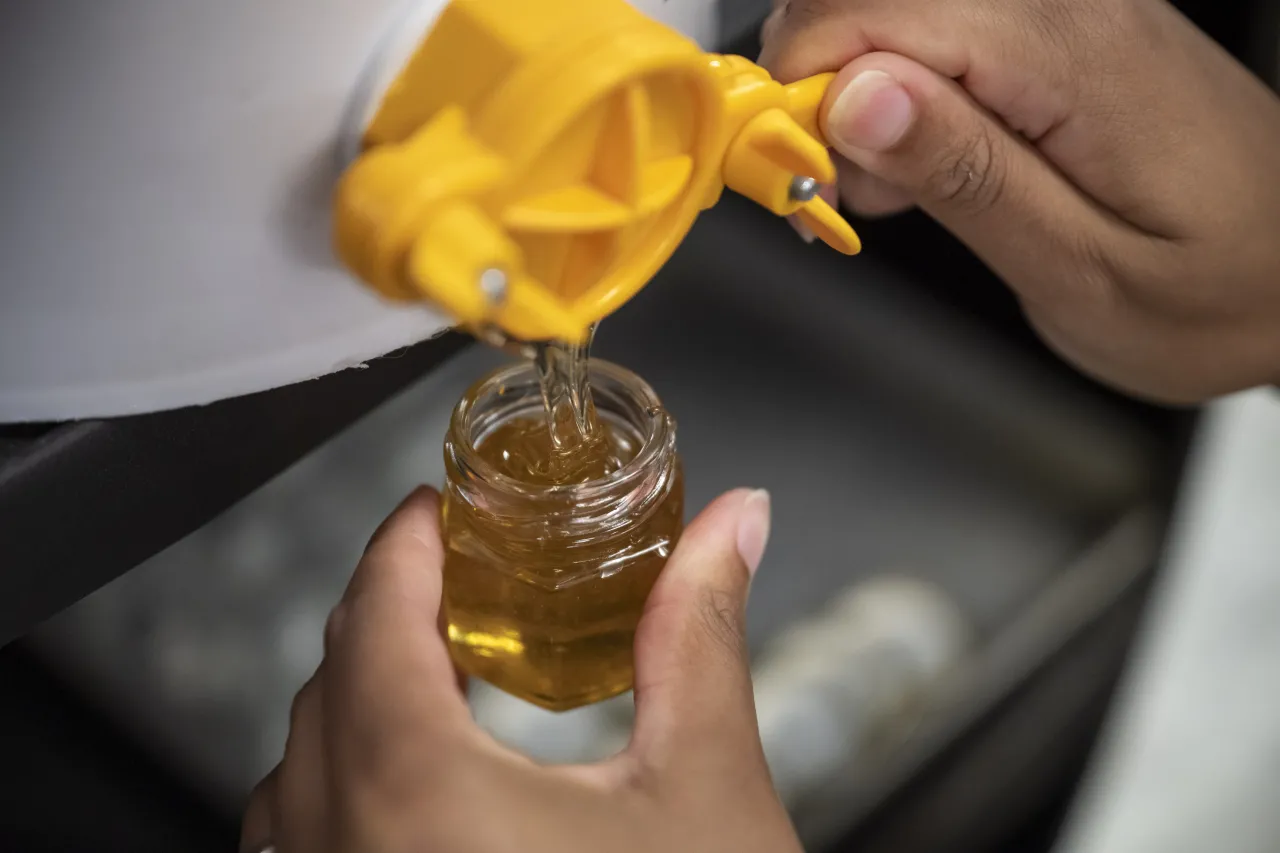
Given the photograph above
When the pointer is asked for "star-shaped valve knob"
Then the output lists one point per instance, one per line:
(537, 161)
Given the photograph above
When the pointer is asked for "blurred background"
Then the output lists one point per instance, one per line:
(966, 536)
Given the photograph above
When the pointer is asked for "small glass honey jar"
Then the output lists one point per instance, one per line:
(550, 556)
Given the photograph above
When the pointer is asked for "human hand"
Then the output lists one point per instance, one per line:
(1111, 163)
(383, 755)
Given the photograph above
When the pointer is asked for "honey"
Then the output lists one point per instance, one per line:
(557, 520)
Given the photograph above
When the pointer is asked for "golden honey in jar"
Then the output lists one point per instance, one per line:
(550, 552)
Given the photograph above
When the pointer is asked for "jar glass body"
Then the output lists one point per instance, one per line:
(544, 585)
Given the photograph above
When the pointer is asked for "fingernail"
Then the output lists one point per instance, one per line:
(806, 233)
(872, 113)
(753, 529)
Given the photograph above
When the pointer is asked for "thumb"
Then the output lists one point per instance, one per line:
(920, 131)
(693, 675)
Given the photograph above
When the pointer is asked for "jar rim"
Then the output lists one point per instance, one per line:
(656, 433)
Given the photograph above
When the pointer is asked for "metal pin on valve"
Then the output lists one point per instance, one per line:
(493, 283)
(804, 188)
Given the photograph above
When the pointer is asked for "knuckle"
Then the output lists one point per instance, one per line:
(721, 618)
(1078, 33)
(1086, 290)
(1082, 22)
(1052, 21)
(791, 20)
(970, 177)
(1071, 44)
(785, 37)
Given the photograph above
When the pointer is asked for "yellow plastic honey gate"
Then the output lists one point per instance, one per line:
(537, 161)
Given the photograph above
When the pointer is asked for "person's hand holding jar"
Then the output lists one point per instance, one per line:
(383, 755)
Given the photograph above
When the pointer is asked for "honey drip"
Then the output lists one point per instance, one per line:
(576, 448)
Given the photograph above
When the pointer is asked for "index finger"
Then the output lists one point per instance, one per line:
(389, 679)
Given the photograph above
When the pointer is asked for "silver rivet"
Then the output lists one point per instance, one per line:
(493, 283)
(804, 188)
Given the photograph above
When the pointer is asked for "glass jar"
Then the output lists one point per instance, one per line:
(544, 585)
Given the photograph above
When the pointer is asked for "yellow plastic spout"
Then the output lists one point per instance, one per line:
(537, 161)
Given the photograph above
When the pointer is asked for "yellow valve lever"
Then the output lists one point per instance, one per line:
(537, 161)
